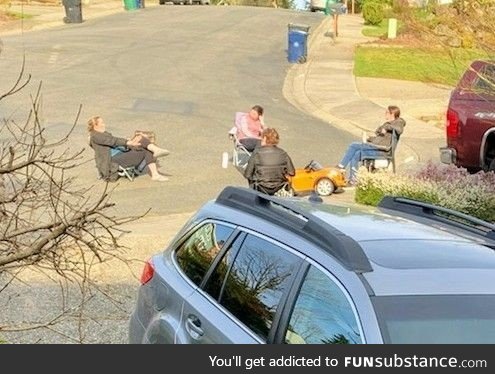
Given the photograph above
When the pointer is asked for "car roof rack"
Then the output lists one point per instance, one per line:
(447, 216)
(291, 217)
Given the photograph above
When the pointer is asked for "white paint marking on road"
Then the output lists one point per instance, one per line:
(53, 57)
(54, 54)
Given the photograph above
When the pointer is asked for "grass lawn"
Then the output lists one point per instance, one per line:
(19, 15)
(414, 64)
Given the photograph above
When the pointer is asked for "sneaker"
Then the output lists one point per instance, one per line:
(159, 178)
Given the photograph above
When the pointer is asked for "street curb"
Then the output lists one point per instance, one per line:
(294, 88)
(43, 25)
(294, 91)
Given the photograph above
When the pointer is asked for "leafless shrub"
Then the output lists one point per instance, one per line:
(48, 222)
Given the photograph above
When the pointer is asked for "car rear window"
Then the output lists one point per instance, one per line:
(485, 82)
(197, 253)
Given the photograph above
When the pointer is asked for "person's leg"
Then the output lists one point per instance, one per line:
(250, 143)
(153, 148)
(349, 154)
(134, 157)
(155, 175)
(131, 158)
(366, 150)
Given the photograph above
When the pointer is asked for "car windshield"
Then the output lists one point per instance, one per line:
(315, 165)
(437, 319)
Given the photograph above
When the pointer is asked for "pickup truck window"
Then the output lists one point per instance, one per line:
(485, 81)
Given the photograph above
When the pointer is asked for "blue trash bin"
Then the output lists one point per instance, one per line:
(298, 43)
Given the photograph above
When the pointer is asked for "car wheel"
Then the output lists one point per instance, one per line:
(162, 2)
(324, 187)
(492, 166)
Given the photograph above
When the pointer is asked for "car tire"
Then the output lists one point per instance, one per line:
(492, 166)
(161, 2)
(324, 187)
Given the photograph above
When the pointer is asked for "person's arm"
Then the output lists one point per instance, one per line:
(290, 166)
(262, 121)
(249, 171)
(381, 130)
(106, 139)
(397, 125)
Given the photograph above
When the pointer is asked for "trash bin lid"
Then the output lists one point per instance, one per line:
(298, 27)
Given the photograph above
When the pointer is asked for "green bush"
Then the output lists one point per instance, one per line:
(442, 185)
(373, 13)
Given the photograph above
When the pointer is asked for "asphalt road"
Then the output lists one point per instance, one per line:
(180, 71)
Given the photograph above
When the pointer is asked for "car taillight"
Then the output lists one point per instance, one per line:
(452, 124)
(148, 272)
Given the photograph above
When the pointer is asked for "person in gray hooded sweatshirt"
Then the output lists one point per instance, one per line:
(375, 145)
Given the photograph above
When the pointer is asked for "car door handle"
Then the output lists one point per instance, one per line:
(193, 327)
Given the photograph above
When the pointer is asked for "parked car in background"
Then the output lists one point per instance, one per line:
(315, 5)
(471, 120)
(251, 268)
(336, 6)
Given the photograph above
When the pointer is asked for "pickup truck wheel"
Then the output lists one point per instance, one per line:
(492, 166)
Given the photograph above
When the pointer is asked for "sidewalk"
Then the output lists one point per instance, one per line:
(325, 87)
(45, 15)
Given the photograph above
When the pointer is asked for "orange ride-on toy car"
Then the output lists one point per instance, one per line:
(314, 177)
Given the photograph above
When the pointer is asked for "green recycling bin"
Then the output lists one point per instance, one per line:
(130, 4)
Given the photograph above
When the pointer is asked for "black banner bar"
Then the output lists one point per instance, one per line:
(249, 359)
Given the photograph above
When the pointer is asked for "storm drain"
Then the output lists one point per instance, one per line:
(184, 108)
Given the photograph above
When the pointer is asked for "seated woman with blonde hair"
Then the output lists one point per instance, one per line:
(138, 149)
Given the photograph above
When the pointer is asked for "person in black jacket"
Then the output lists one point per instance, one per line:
(269, 165)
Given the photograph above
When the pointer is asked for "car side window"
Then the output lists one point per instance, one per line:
(197, 253)
(256, 283)
(322, 313)
(217, 278)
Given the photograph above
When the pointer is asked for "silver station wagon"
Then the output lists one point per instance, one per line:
(250, 268)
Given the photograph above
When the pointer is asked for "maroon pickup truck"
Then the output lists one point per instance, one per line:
(471, 120)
